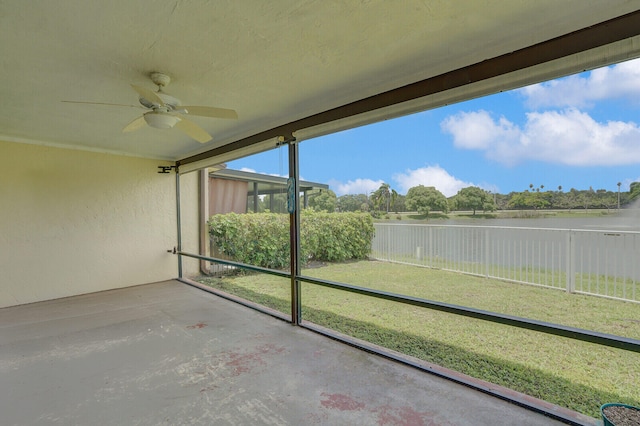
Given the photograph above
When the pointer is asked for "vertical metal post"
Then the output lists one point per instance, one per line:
(203, 190)
(179, 223)
(294, 235)
(431, 250)
(388, 241)
(571, 276)
(255, 197)
(487, 254)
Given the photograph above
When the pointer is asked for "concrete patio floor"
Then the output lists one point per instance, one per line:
(168, 353)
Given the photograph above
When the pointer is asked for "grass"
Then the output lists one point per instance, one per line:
(577, 375)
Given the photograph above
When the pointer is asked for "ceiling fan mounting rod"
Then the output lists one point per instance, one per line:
(159, 79)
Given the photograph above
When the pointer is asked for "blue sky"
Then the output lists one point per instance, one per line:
(578, 132)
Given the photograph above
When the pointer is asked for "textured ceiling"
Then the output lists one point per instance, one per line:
(273, 62)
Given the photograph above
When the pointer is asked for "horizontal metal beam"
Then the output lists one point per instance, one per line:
(614, 30)
(236, 264)
(604, 339)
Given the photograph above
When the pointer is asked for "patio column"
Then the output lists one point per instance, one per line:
(293, 203)
(178, 223)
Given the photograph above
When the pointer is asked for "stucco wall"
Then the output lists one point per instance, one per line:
(74, 222)
(190, 218)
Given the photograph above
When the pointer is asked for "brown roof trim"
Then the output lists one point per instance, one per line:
(598, 35)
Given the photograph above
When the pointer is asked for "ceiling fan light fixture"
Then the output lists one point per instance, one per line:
(160, 120)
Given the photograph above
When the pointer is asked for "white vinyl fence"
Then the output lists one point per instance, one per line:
(603, 263)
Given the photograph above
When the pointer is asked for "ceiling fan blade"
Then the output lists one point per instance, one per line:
(101, 103)
(149, 95)
(193, 130)
(204, 111)
(134, 125)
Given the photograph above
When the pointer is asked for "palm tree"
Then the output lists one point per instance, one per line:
(384, 196)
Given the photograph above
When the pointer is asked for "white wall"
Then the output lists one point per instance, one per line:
(190, 219)
(74, 222)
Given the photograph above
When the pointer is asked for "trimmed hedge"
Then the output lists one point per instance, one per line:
(262, 239)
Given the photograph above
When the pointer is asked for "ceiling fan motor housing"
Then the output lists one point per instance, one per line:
(160, 120)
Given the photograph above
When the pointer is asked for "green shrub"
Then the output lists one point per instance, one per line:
(335, 237)
(257, 238)
(262, 239)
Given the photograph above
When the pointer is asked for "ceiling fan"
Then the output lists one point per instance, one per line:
(166, 111)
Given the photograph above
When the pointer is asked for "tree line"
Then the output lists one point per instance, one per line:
(426, 199)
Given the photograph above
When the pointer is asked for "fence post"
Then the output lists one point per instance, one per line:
(431, 246)
(486, 253)
(571, 263)
(388, 242)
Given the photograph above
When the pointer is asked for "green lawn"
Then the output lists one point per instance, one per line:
(574, 374)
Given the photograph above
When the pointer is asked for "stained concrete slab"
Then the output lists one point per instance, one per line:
(168, 354)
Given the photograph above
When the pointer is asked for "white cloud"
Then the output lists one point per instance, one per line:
(614, 82)
(358, 186)
(567, 137)
(434, 176)
(574, 138)
(477, 129)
